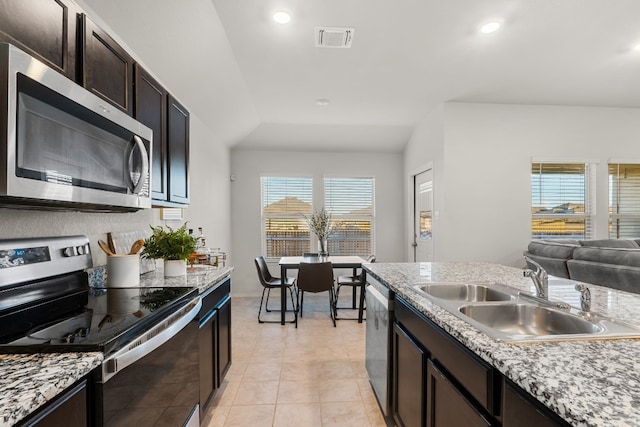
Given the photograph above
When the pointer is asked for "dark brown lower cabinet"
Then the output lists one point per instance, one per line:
(438, 382)
(215, 340)
(408, 387)
(224, 339)
(207, 338)
(520, 411)
(69, 409)
(446, 405)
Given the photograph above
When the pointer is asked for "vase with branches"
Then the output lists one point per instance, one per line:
(321, 224)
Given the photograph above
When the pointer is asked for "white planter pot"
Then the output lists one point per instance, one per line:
(174, 268)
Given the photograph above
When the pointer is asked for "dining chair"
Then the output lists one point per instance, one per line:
(355, 281)
(269, 282)
(315, 277)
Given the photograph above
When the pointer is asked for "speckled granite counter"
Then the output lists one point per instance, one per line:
(588, 383)
(198, 276)
(27, 382)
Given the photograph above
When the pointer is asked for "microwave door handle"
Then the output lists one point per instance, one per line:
(145, 164)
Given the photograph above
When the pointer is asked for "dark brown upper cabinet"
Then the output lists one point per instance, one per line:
(107, 69)
(46, 29)
(178, 152)
(150, 108)
(169, 120)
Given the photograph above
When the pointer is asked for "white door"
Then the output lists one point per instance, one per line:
(423, 216)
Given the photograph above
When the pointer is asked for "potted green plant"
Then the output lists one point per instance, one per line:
(320, 223)
(173, 246)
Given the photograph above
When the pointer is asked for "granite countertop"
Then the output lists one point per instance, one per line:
(198, 276)
(588, 383)
(28, 381)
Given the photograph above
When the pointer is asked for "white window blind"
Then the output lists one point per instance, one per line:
(284, 202)
(561, 206)
(624, 200)
(350, 201)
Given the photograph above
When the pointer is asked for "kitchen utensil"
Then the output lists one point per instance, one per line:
(111, 243)
(103, 245)
(136, 246)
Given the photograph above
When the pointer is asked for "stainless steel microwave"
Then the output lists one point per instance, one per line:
(63, 147)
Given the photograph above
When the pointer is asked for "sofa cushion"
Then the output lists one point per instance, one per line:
(612, 267)
(611, 243)
(615, 256)
(552, 249)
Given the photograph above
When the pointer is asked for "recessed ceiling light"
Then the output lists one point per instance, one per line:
(281, 17)
(636, 47)
(322, 102)
(490, 27)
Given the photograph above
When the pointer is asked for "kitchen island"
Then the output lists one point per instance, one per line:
(29, 382)
(587, 382)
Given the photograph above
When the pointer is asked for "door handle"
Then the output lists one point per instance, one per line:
(145, 165)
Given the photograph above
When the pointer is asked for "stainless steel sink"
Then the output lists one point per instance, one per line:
(465, 292)
(526, 319)
(507, 314)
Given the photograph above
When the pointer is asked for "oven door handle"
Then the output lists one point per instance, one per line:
(151, 340)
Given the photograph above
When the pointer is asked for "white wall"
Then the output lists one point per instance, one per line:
(424, 149)
(247, 166)
(485, 183)
(210, 206)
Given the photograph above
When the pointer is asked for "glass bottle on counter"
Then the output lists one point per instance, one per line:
(202, 251)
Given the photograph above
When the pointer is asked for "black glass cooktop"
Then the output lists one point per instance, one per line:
(110, 318)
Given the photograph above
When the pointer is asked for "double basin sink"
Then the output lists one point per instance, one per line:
(506, 314)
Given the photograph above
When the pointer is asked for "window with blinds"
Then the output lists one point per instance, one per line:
(285, 201)
(624, 200)
(560, 201)
(350, 201)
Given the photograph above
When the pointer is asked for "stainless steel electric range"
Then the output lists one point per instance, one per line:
(149, 336)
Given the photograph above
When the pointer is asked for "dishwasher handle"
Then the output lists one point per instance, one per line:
(150, 341)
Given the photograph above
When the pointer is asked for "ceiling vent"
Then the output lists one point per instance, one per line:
(334, 37)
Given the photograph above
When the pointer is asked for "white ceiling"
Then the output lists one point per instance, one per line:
(257, 87)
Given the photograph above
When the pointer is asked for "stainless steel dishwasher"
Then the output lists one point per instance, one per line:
(378, 339)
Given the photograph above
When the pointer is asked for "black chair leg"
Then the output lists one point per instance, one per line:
(363, 290)
(266, 306)
(297, 305)
(332, 306)
(260, 308)
(301, 301)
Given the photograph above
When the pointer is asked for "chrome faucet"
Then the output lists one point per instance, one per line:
(585, 297)
(539, 277)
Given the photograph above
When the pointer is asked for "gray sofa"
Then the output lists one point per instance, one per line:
(614, 263)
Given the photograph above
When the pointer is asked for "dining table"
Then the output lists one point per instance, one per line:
(293, 263)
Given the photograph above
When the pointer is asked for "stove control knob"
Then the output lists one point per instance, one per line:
(70, 251)
(82, 250)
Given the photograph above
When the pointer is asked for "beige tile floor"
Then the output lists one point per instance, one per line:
(306, 377)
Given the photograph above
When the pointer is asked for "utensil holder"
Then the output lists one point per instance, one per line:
(123, 271)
